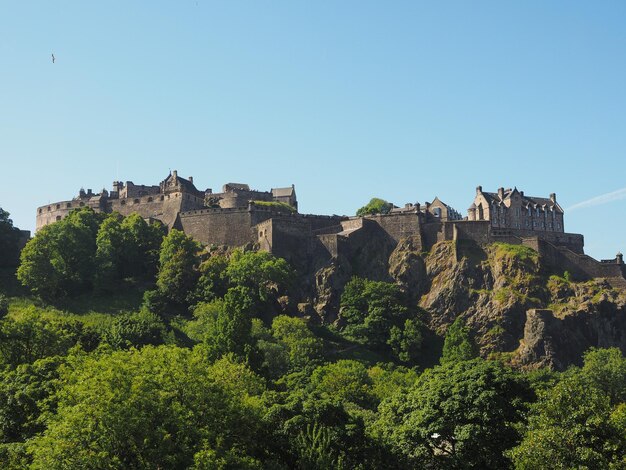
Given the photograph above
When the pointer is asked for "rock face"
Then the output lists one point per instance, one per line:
(505, 294)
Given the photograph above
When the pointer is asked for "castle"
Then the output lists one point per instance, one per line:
(238, 216)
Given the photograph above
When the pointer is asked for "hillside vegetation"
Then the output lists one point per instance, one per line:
(126, 347)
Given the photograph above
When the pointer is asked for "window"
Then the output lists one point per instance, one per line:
(58, 206)
(58, 218)
(68, 205)
(149, 199)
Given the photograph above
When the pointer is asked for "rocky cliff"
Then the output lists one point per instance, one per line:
(517, 306)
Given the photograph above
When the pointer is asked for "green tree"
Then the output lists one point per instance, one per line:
(213, 282)
(178, 262)
(375, 206)
(458, 344)
(581, 421)
(301, 345)
(143, 242)
(32, 337)
(224, 325)
(126, 247)
(9, 238)
(135, 329)
(344, 381)
(267, 276)
(60, 259)
(110, 252)
(374, 313)
(406, 342)
(158, 407)
(458, 415)
(25, 393)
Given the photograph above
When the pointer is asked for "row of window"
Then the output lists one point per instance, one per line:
(538, 212)
(535, 224)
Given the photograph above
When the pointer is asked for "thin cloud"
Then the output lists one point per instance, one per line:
(600, 200)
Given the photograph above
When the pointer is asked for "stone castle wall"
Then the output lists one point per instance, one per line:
(164, 207)
(580, 266)
(399, 226)
(231, 227)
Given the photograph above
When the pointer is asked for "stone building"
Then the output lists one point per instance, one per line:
(512, 209)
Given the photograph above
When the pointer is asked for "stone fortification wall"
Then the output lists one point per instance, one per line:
(286, 234)
(432, 233)
(469, 230)
(231, 227)
(54, 212)
(399, 226)
(573, 241)
(581, 267)
(483, 233)
(131, 190)
(240, 198)
(163, 207)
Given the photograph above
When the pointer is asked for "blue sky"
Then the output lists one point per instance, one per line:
(346, 99)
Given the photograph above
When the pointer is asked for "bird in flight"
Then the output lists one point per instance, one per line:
(53, 58)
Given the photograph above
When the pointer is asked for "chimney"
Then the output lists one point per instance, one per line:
(501, 193)
(191, 179)
(553, 197)
(619, 258)
(521, 193)
(479, 189)
(175, 174)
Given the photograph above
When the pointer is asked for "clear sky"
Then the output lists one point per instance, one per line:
(345, 99)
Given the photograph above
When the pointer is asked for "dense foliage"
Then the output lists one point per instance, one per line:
(87, 250)
(375, 206)
(211, 369)
(9, 238)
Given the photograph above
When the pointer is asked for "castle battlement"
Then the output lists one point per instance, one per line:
(240, 216)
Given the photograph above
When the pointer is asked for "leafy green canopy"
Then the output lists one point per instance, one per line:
(87, 250)
(581, 421)
(9, 237)
(458, 344)
(375, 206)
(458, 415)
(375, 314)
(162, 407)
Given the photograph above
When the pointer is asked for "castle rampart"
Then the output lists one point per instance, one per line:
(239, 216)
